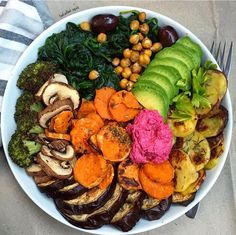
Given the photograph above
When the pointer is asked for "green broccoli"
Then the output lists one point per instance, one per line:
(35, 75)
(22, 148)
(26, 113)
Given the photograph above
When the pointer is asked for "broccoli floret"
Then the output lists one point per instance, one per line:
(22, 148)
(35, 75)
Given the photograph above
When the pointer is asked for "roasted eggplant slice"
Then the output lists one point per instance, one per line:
(185, 171)
(71, 191)
(87, 202)
(129, 214)
(216, 140)
(184, 200)
(153, 209)
(213, 125)
(197, 147)
(103, 215)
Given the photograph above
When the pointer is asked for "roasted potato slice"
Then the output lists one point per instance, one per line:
(182, 129)
(196, 185)
(185, 171)
(216, 86)
(213, 125)
(197, 147)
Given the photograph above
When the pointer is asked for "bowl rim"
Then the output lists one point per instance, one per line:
(110, 9)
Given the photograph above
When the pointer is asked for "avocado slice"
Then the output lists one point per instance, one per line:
(162, 81)
(179, 66)
(170, 52)
(190, 52)
(151, 99)
(186, 41)
(167, 71)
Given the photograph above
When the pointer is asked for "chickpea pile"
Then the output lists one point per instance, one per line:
(138, 56)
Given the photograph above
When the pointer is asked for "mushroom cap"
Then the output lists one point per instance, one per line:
(61, 91)
(53, 109)
(53, 167)
(64, 156)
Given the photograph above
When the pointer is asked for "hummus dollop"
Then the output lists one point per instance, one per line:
(151, 137)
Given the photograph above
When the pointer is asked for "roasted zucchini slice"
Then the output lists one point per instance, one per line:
(129, 214)
(197, 147)
(101, 216)
(86, 202)
(185, 171)
(213, 125)
(153, 209)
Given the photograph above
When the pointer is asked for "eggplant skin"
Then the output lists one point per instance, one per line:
(182, 200)
(72, 209)
(127, 222)
(158, 211)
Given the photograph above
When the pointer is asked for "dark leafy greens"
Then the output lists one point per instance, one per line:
(77, 52)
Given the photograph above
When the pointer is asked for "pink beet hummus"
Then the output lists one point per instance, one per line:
(152, 138)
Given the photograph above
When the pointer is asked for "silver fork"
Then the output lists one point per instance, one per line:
(224, 64)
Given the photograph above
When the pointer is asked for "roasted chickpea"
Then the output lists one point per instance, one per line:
(147, 43)
(93, 75)
(118, 70)
(126, 72)
(142, 16)
(157, 46)
(136, 68)
(144, 28)
(127, 53)
(134, 77)
(102, 37)
(129, 85)
(141, 37)
(147, 52)
(85, 26)
(137, 47)
(134, 25)
(134, 56)
(134, 39)
(144, 60)
(125, 62)
(123, 83)
(116, 61)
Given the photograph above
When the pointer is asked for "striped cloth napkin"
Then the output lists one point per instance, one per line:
(20, 22)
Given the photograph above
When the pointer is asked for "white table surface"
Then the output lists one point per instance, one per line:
(217, 214)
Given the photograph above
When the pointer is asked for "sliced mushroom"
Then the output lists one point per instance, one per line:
(61, 91)
(52, 167)
(46, 151)
(59, 145)
(35, 170)
(39, 179)
(42, 139)
(53, 109)
(64, 156)
(57, 77)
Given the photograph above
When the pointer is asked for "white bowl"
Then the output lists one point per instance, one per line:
(8, 124)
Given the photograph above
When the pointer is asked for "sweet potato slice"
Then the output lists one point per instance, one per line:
(80, 133)
(154, 189)
(86, 107)
(62, 122)
(101, 101)
(128, 175)
(114, 142)
(108, 177)
(162, 173)
(123, 106)
(90, 170)
(96, 118)
(58, 136)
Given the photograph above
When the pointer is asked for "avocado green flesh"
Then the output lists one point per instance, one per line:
(186, 41)
(151, 99)
(175, 53)
(191, 53)
(162, 81)
(175, 63)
